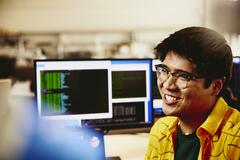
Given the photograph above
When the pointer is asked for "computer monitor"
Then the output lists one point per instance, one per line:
(131, 95)
(157, 99)
(73, 89)
(232, 92)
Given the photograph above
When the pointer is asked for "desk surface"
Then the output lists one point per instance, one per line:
(126, 146)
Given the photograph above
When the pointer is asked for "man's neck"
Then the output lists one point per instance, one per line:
(189, 125)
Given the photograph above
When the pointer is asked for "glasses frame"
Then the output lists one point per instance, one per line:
(175, 75)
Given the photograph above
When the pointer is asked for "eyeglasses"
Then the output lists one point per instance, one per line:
(181, 78)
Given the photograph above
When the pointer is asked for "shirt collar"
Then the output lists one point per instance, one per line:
(215, 118)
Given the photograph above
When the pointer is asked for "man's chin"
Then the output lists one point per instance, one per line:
(168, 111)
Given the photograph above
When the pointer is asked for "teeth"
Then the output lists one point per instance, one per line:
(171, 98)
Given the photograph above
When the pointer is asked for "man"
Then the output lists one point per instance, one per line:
(195, 66)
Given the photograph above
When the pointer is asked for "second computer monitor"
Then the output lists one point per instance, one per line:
(131, 95)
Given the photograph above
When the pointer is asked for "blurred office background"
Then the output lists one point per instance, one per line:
(35, 29)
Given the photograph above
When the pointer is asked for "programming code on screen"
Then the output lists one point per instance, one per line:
(127, 84)
(64, 91)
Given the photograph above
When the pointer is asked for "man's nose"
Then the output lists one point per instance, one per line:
(170, 83)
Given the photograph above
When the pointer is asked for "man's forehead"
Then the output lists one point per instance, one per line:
(175, 61)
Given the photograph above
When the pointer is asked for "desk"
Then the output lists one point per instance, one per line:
(126, 146)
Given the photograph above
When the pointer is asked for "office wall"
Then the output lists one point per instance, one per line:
(99, 15)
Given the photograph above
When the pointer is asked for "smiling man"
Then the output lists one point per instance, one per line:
(196, 64)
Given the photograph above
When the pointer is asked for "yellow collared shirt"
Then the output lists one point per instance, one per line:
(219, 136)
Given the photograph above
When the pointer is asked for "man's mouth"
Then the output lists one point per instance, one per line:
(169, 99)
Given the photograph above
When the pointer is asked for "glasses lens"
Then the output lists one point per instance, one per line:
(181, 83)
(182, 79)
(162, 74)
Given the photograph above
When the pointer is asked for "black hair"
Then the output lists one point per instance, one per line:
(204, 47)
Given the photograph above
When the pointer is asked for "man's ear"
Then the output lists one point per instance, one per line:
(217, 85)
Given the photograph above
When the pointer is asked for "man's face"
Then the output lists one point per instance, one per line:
(194, 100)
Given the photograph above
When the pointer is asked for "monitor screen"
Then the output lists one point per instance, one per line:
(232, 93)
(131, 95)
(74, 89)
(157, 99)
